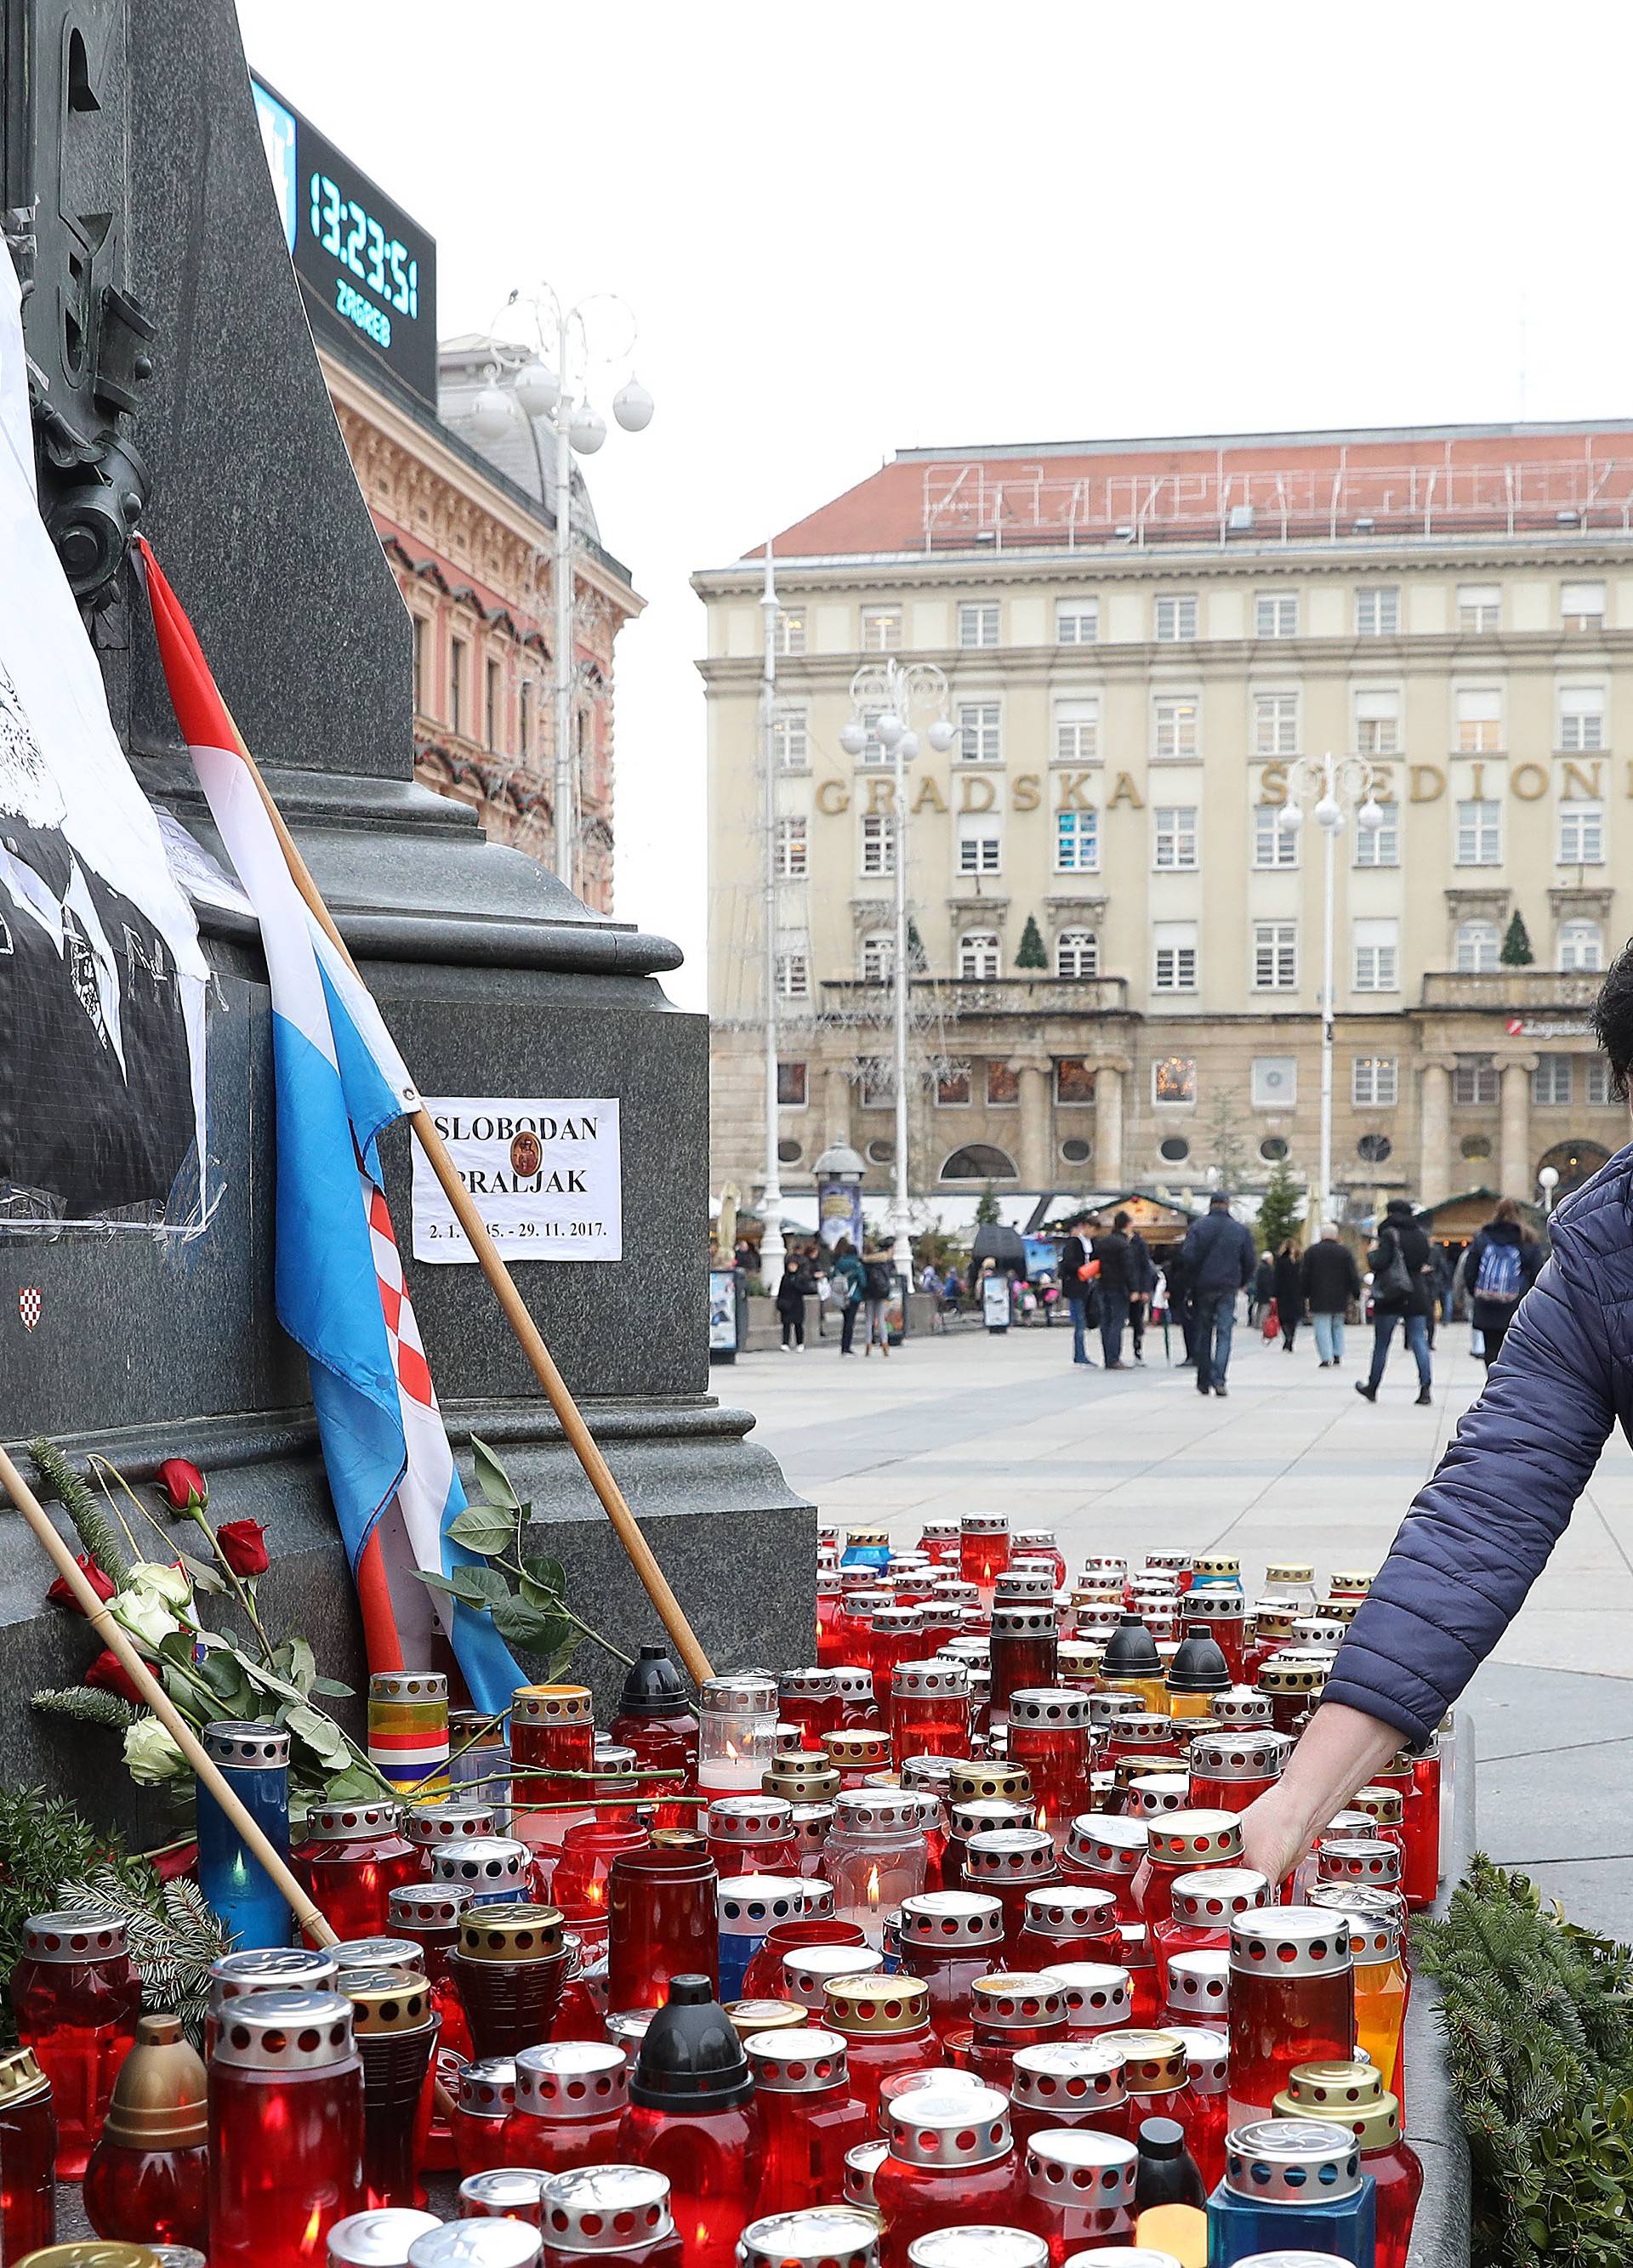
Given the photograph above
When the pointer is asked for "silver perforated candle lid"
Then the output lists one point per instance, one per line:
(247, 1747)
(978, 2245)
(572, 2079)
(431, 1825)
(1155, 1794)
(606, 2208)
(1008, 1855)
(931, 1680)
(1067, 2079)
(748, 1693)
(1108, 1708)
(1081, 2168)
(487, 2087)
(1105, 1842)
(1064, 1910)
(809, 1823)
(807, 1970)
(929, 1775)
(1212, 1897)
(1055, 1708)
(1373, 1938)
(863, 2162)
(380, 2239)
(1359, 1859)
(1099, 1994)
(1021, 1585)
(815, 1682)
(503, 2192)
(885, 1811)
(1292, 2161)
(1241, 1705)
(752, 1904)
(1239, 1753)
(954, 1921)
(285, 2030)
(821, 2236)
(980, 1815)
(269, 1968)
(477, 2244)
(378, 1952)
(948, 2127)
(797, 2059)
(748, 1819)
(1023, 1618)
(1290, 1941)
(484, 1864)
(73, 1936)
(985, 1523)
(1199, 1985)
(351, 1822)
(427, 1906)
(1214, 1605)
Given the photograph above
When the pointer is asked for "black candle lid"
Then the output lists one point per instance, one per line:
(1131, 1651)
(655, 1687)
(1199, 1666)
(691, 2054)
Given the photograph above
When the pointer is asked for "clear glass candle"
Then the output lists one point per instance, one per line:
(479, 1763)
(76, 1998)
(1292, 2001)
(285, 2128)
(876, 1855)
(809, 2117)
(736, 1727)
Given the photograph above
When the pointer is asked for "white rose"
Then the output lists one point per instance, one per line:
(171, 1584)
(141, 1612)
(151, 1754)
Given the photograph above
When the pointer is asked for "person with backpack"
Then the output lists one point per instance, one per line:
(1402, 1270)
(796, 1284)
(850, 1282)
(876, 1299)
(1503, 1262)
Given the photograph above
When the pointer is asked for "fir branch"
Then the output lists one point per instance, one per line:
(90, 1704)
(172, 1934)
(90, 1522)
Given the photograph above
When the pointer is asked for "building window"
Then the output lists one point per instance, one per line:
(1596, 1083)
(1379, 846)
(878, 956)
(1373, 1149)
(458, 654)
(1474, 1081)
(1479, 607)
(1581, 944)
(1581, 717)
(979, 954)
(952, 1088)
(790, 638)
(1377, 956)
(792, 848)
(1274, 845)
(1478, 721)
(1077, 842)
(980, 843)
(1276, 724)
(1480, 834)
(1176, 619)
(1174, 956)
(1076, 1151)
(1074, 1081)
(1173, 837)
(1076, 732)
(1581, 834)
(979, 740)
(791, 1086)
(1176, 727)
(1373, 1082)
(1003, 1086)
(418, 623)
(878, 844)
(524, 718)
(1477, 946)
(1582, 605)
(1077, 953)
(493, 704)
(1173, 1080)
(791, 738)
(1275, 956)
(1551, 1082)
(1378, 723)
(978, 622)
(1273, 1149)
(793, 976)
(1275, 615)
(881, 629)
(1273, 1082)
(878, 1083)
(1378, 611)
(1076, 622)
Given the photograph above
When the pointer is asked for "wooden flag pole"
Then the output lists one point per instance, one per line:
(596, 1469)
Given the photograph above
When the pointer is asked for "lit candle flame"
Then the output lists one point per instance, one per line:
(873, 1885)
(309, 2235)
(731, 1751)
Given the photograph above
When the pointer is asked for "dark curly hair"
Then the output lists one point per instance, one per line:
(1613, 1019)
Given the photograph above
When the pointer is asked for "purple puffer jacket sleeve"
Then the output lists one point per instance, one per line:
(1480, 1533)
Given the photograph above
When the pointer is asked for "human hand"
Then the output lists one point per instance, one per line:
(1273, 1838)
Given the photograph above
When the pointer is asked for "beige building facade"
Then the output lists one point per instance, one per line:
(1139, 641)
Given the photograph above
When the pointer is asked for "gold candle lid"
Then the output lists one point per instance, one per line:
(857, 1748)
(1153, 2062)
(971, 1780)
(746, 2017)
(1350, 2094)
(20, 2075)
(868, 2005)
(1385, 1807)
(1280, 1676)
(1290, 1571)
(92, 2252)
(517, 1932)
(806, 1777)
(552, 1705)
(1351, 1582)
(385, 2000)
(158, 2099)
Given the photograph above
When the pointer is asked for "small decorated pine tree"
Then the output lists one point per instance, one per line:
(986, 1207)
(1517, 952)
(1280, 1209)
(1031, 954)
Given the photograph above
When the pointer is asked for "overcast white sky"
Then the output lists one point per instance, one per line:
(874, 224)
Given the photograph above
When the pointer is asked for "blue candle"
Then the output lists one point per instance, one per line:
(254, 1760)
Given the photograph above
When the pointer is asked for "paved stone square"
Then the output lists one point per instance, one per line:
(1292, 1464)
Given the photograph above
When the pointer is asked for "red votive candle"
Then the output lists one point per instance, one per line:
(285, 2128)
(552, 1750)
(948, 1939)
(809, 2116)
(571, 2098)
(983, 1549)
(1103, 1852)
(394, 2023)
(610, 2213)
(354, 1856)
(930, 1711)
(486, 2097)
(885, 2023)
(1182, 1842)
(28, 2156)
(510, 1969)
(76, 1998)
(692, 2117)
(1063, 2083)
(664, 1921)
(1292, 2001)
(147, 2181)
(951, 2163)
(1050, 1734)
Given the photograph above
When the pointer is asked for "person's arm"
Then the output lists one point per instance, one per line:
(1474, 1540)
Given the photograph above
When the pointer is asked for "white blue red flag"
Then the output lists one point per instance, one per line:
(340, 1289)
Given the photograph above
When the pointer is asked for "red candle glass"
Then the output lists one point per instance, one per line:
(983, 1549)
(487, 2095)
(148, 2179)
(610, 2213)
(809, 2116)
(663, 1922)
(763, 1979)
(974, 1816)
(1008, 2011)
(552, 1743)
(1292, 1685)
(1420, 1832)
(1156, 2072)
(394, 2023)
(1098, 1995)
(929, 1711)
(896, 1634)
(571, 2098)
(1203, 2109)
(656, 1720)
(951, 2163)
(831, 1637)
(1202, 1908)
(1103, 1852)
(1005, 1863)
(493, 1870)
(579, 1882)
(1135, 1954)
(939, 1541)
(858, 1711)
(509, 1968)
(432, 1826)
(1292, 2001)
(76, 1998)
(354, 1856)
(28, 2156)
(808, 1970)
(752, 1835)
(1080, 2190)
(948, 1939)
(885, 2024)
(1050, 1734)
(1022, 1654)
(1224, 1614)
(1068, 1922)
(1198, 1990)
(1233, 1766)
(692, 2117)
(428, 1914)
(1182, 1842)
(810, 1699)
(285, 2128)
(1061, 2083)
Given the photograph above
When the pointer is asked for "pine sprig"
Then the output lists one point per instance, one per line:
(43, 1843)
(90, 1522)
(90, 1704)
(172, 1934)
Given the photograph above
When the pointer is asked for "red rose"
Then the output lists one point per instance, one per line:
(110, 1674)
(94, 1575)
(184, 1485)
(243, 1546)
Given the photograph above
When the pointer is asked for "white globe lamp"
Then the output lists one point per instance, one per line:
(852, 739)
(888, 729)
(633, 406)
(493, 413)
(942, 735)
(587, 430)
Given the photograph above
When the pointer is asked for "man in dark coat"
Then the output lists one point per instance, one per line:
(1142, 1282)
(1076, 1284)
(1219, 1259)
(1480, 1533)
(1115, 1284)
(1330, 1280)
(1289, 1283)
(1403, 1287)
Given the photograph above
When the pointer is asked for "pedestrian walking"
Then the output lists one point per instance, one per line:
(849, 1281)
(1402, 1286)
(1220, 1261)
(1177, 1279)
(1143, 1291)
(1289, 1283)
(792, 1289)
(1077, 1285)
(1503, 1262)
(1479, 1533)
(876, 1299)
(1115, 1285)
(1329, 1279)
(1261, 1291)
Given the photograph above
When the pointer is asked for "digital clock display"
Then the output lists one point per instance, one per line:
(368, 273)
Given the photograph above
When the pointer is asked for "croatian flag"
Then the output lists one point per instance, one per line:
(340, 1289)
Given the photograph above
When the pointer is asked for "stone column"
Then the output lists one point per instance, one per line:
(1514, 1144)
(1108, 1122)
(1434, 1165)
(1034, 1161)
